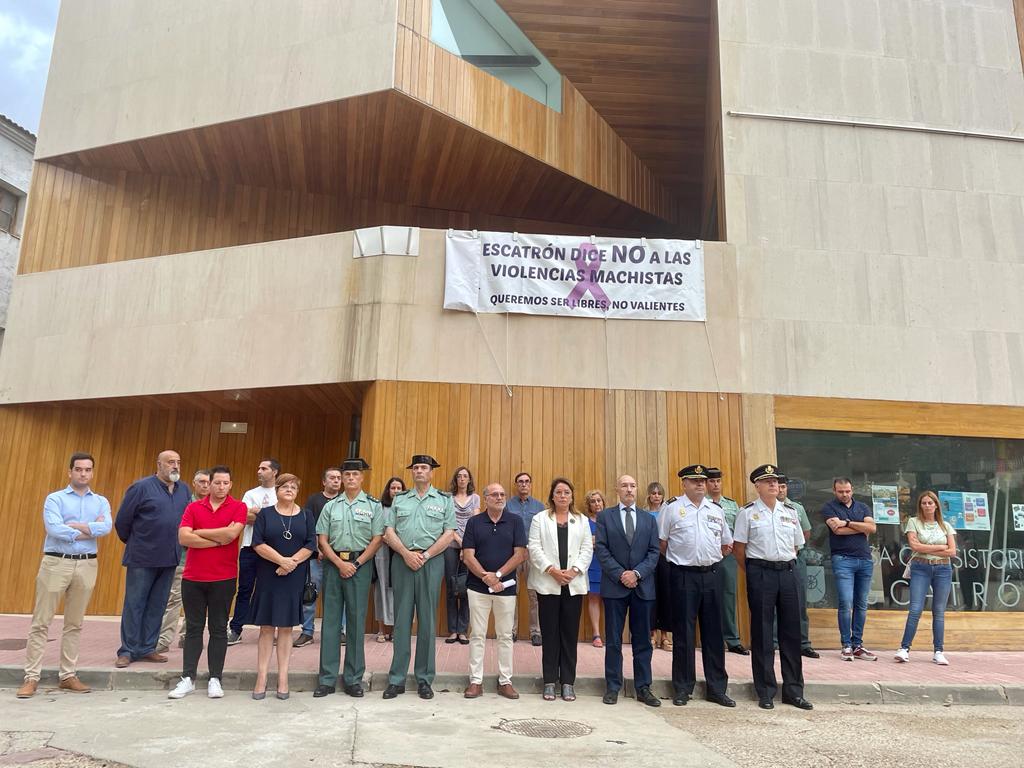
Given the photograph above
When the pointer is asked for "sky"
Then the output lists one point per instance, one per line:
(26, 37)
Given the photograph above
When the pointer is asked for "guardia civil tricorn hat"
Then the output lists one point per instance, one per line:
(422, 458)
(359, 464)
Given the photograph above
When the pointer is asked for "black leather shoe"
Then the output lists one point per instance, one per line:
(354, 690)
(425, 691)
(738, 648)
(610, 697)
(810, 653)
(680, 699)
(393, 690)
(721, 699)
(800, 703)
(644, 696)
(323, 690)
(766, 704)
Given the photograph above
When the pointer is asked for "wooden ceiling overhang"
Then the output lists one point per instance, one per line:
(643, 66)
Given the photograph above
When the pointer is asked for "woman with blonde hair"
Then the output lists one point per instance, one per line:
(561, 549)
(933, 542)
(593, 503)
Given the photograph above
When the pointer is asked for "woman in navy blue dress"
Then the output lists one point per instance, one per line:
(594, 503)
(284, 536)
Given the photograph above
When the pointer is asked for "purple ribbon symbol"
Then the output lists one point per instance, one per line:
(588, 283)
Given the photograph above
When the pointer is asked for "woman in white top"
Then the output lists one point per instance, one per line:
(934, 545)
(561, 549)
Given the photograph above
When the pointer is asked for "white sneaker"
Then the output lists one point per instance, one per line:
(213, 689)
(184, 687)
(903, 655)
(939, 659)
(846, 654)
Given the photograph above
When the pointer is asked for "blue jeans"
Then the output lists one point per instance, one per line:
(316, 573)
(146, 591)
(922, 577)
(853, 582)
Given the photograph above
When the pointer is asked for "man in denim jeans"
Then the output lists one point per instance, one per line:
(850, 523)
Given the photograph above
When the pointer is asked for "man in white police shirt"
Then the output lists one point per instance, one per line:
(767, 536)
(694, 538)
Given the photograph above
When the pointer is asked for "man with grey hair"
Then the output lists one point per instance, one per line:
(172, 615)
(147, 522)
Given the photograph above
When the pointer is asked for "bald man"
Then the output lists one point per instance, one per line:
(147, 522)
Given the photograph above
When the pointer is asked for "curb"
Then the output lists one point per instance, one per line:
(107, 679)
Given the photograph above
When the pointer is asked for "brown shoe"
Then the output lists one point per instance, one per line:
(508, 691)
(473, 691)
(28, 689)
(157, 657)
(74, 685)
(123, 661)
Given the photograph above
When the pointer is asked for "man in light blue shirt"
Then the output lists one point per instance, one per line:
(526, 506)
(74, 518)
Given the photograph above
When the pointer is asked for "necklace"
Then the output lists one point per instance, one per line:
(287, 535)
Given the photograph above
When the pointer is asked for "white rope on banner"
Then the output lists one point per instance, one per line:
(494, 357)
(714, 362)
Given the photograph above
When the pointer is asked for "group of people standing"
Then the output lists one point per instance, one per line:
(670, 568)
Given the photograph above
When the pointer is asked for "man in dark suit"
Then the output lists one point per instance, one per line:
(627, 548)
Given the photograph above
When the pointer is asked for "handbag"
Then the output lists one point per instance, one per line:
(457, 584)
(309, 593)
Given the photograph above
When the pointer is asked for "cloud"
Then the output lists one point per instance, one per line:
(26, 47)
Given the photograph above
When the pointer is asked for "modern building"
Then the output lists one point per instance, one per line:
(235, 247)
(17, 146)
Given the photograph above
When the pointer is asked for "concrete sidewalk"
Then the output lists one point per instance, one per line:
(976, 678)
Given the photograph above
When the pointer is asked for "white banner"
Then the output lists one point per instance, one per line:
(574, 276)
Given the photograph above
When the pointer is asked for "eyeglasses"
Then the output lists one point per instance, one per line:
(497, 495)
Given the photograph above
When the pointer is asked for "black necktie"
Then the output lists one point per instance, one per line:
(630, 525)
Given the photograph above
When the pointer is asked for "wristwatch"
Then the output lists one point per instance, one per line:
(497, 575)
(426, 555)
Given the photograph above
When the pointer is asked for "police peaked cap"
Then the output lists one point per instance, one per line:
(694, 472)
(766, 472)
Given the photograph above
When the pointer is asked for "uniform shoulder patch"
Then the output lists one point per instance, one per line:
(751, 504)
(726, 498)
(717, 503)
(674, 498)
(787, 505)
(405, 492)
(373, 499)
(445, 493)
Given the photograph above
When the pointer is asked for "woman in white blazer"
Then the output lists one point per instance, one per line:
(561, 549)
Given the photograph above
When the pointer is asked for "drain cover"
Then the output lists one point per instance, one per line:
(545, 729)
(12, 644)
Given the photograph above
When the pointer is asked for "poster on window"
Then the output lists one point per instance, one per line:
(885, 504)
(1018, 517)
(966, 511)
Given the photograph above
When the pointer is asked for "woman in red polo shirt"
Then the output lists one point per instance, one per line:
(209, 528)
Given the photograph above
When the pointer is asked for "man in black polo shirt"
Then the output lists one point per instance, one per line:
(493, 545)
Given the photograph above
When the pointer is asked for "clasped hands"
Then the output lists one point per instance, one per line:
(286, 566)
(492, 581)
(562, 578)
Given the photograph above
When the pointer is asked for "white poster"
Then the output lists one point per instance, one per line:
(1018, 517)
(574, 276)
(885, 504)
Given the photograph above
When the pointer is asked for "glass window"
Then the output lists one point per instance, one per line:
(980, 483)
(8, 211)
(480, 32)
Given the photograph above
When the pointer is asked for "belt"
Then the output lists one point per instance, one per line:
(349, 555)
(70, 557)
(935, 561)
(696, 568)
(772, 565)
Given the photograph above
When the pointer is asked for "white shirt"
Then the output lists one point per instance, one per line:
(622, 516)
(257, 497)
(695, 532)
(769, 533)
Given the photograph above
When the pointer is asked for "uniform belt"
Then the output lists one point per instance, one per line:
(772, 565)
(349, 555)
(933, 561)
(696, 568)
(71, 557)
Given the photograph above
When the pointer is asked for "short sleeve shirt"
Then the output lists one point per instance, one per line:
(851, 545)
(493, 543)
(212, 563)
(770, 533)
(731, 509)
(350, 525)
(930, 533)
(695, 532)
(801, 513)
(419, 521)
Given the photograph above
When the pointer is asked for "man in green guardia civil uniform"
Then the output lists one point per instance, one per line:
(349, 532)
(730, 631)
(806, 649)
(420, 525)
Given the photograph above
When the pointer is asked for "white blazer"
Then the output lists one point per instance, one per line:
(544, 553)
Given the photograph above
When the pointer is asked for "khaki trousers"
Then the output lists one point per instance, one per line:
(480, 607)
(172, 616)
(72, 581)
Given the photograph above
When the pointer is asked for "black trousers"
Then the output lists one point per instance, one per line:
(206, 603)
(457, 608)
(773, 593)
(559, 617)
(697, 596)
